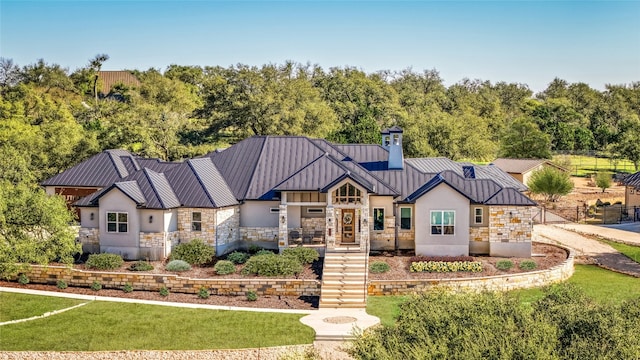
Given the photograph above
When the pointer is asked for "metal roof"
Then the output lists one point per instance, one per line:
(100, 170)
(521, 166)
(632, 180)
(509, 196)
(197, 183)
(476, 190)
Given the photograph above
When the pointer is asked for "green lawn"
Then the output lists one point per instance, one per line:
(101, 326)
(630, 251)
(600, 284)
(585, 165)
(20, 306)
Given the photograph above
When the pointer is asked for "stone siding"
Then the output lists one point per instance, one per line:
(311, 225)
(89, 237)
(228, 224)
(153, 282)
(383, 239)
(510, 223)
(254, 234)
(208, 229)
(508, 282)
(479, 233)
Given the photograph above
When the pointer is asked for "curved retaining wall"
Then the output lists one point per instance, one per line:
(294, 287)
(526, 280)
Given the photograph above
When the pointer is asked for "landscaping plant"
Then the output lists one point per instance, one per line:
(504, 265)
(23, 279)
(224, 267)
(141, 266)
(178, 266)
(446, 266)
(104, 261)
(528, 265)
(203, 293)
(302, 254)
(379, 267)
(272, 265)
(127, 288)
(164, 292)
(61, 284)
(96, 285)
(252, 296)
(195, 252)
(238, 257)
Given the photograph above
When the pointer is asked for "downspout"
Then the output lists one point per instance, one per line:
(396, 244)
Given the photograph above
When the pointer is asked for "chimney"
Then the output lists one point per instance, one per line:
(394, 141)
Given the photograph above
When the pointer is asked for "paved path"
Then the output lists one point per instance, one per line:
(607, 232)
(603, 254)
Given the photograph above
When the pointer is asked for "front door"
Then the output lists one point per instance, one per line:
(348, 226)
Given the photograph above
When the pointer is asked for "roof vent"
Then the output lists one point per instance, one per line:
(469, 172)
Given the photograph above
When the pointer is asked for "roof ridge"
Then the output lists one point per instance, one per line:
(146, 171)
(113, 161)
(195, 172)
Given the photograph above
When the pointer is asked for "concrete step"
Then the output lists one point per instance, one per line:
(336, 304)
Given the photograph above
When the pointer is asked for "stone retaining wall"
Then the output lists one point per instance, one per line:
(153, 282)
(488, 283)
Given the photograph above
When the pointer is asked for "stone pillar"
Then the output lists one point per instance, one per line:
(283, 235)
(330, 231)
(364, 226)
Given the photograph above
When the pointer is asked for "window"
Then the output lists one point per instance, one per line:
(443, 222)
(396, 139)
(117, 222)
(274, 210)
(477, 216)
(387, 140)
(196, 221)
(405, 218)
(347, 193)
(378, 219)
(315, 210)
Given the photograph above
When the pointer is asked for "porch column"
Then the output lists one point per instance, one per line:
(330, 228)
(364, 224)
(283, 234)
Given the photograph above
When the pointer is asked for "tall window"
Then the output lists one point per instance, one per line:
(405, 218)
(347, 193)
(443, 222)
(196, 221)
(117, 222)
(477, 218)
(378, 219)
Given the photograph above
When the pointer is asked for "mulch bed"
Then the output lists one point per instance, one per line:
(549, 256)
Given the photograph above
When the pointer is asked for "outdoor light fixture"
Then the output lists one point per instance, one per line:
(150, 219)
(91, 217)
(283, 219)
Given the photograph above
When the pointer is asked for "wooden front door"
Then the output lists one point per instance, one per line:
(348, 226)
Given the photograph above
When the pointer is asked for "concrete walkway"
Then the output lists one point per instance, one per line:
(603, 254)
(630, 237)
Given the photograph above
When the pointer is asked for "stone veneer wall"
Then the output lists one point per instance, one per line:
(384, 239)
(228, 222)
(208, 233)
(508, 282)
(479, 233)
(153, 282)
(310, 225)
(510, 223)
(250, 234)
(89, 239)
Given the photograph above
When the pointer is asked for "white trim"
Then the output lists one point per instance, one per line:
(117, 222)
(442, 219)
(193, 222)
(373, 213)
(410, 217)
(475, 215)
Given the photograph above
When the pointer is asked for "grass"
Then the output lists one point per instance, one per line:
(630, 251)
(582, 165)
(21, 306)
(105, 326)
(600, 284)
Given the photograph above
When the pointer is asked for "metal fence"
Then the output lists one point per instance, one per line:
(612, 214)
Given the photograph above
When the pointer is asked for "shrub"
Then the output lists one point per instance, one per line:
(302, 254)
(309, 353)
(127, 288)
(445, 266)
(195, 252)
(504, 265)
(263, 252)
(164, 292)
(141, 266)
(96, 285)
(104, 261)
(272, 265)
(379, 267)
(204, 293)
(252, 296)
(61, 284)
(528, 265)
(23, 279)
(253, 248)
(238, 257)
(178, 265)
(420, 258)
(224, 267)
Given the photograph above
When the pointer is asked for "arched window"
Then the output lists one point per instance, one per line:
(346, 194)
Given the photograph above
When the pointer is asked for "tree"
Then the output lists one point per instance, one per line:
(34, 228)
(603, 180)
(524, 139)
(550, 182)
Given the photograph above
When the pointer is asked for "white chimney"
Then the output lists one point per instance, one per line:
(396, 158)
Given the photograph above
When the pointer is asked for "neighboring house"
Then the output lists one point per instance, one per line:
(522, 169)
(632, 190)
(280, 191)
(108, 79)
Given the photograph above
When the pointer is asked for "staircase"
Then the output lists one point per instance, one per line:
(344, 279)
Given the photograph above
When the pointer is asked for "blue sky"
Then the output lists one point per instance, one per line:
(596, 42)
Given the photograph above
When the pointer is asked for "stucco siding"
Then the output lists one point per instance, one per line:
(257, 214)
(151, 220)
(126, 243)
(171, 220)
(442, 198)
(85, 218)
